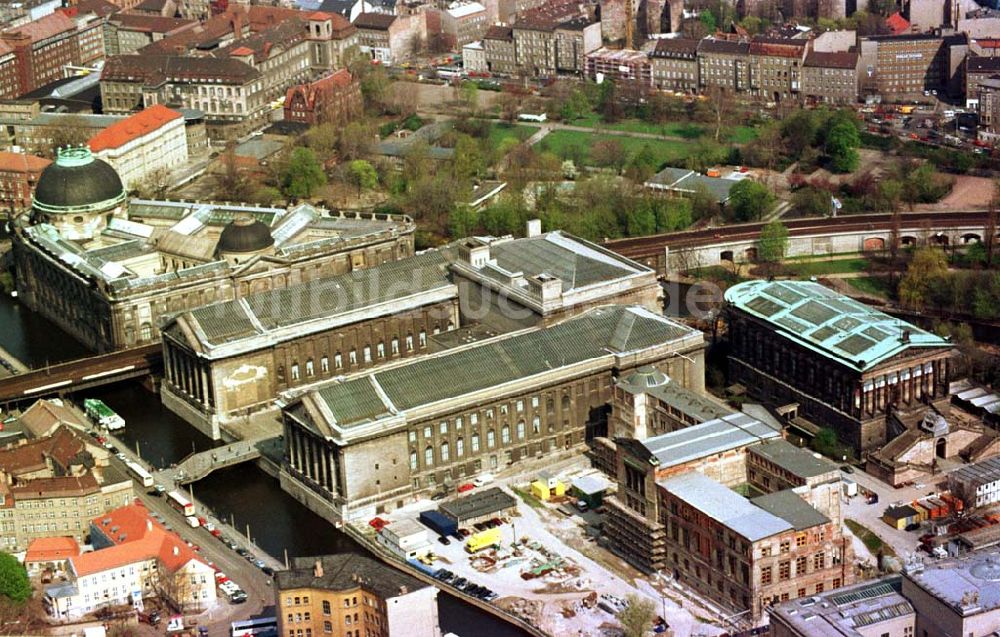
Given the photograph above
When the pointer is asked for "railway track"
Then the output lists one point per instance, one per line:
(653, 245)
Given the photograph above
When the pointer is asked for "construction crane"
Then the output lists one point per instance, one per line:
(629, 25)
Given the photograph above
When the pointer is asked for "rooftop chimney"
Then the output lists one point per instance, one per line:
(318, 568)
(534, 227)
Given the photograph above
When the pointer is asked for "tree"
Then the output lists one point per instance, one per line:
(721, 105)
(608, 153)
(323, 139)
(799, 131)
(362, 174)
(990, 229)
(470, 96)
(637, 618)
(468, 161)
(462, 221)
(811, 202)
(14, 584)
(303, 175)
(773, 242)
(355, 141)
(154, 185)
(927, 264)
(842, 142)
(707, 19)
(71, 131)
(233, 185)
(749, 200)
(510, 105)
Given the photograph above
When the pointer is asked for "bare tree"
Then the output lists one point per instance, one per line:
(71, 131)
(990, 230)
(722, 105)
(154, 185)
(233, 184)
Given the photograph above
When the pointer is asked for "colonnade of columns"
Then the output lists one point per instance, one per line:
(902, 386)
(310, 458)
(189, 375)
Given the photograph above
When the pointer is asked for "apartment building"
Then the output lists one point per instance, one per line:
(554, 38)
(389, 38)
(347, 595)
(40, 50)
(499, 50)
(776, 67)
(153, 140)
(19, 173)
(624, 67)
(464, 23)
(831, 78)
(979, 69)
(134, 556)
(724, 65)
(128, 32)
(53, 486)
(675, 64)
(898, 67)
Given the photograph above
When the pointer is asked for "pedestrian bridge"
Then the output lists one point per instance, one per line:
(198, 465)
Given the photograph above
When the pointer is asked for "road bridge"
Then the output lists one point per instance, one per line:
(807, 237)
(81, 374)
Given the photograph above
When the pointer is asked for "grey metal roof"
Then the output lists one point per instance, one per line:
(345, 572)
(687, 181)
(326, 298)
(593, 335)
(795, 460)
(732, 431)
(836, 326)
(725, 506)
(477, 504)
(690, 403)
(979, 473)
(842, 612)
(574, 262)
(788, 506)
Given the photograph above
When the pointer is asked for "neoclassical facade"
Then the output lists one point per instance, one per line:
(108, 270)
(846, 365)
(374, 441)
(225, 361)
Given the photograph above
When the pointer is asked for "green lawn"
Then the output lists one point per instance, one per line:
(569, 144)
(866, 535)
(500, 131)
(871, 285)
(820, 268)
(684, 130)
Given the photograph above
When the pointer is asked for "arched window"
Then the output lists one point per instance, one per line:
(146, 331)
(295, 371)
(394, 345)
(460, 447)
(281, 373)
(413, 460)
(338, 361)
(423, 338)
(536, 424)
(505, 434)
(565, 402)
(409, 342)
(324, 365)
(352, 356)
(475, 442)
(309, 367)
(491, 438)
(520, 430)
(380, 348)
(445, 451)
(368, 353)
(429, 456)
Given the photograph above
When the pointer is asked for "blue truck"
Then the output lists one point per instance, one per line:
(439, 523)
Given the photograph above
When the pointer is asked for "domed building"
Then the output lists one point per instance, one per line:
(243, 238)
(78, 195)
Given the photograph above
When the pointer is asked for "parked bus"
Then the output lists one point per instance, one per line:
(179, 502)
(261, 626)
(102, 415)
(140, 474)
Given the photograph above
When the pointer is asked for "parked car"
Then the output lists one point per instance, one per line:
(443, 539)
(468, 486)
(847, 468)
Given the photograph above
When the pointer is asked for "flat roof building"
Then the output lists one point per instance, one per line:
(872, 609)
(479, 506)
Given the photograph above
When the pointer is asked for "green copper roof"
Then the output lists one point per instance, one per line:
(840, 328)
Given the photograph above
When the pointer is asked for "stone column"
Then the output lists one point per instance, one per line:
(204, 385)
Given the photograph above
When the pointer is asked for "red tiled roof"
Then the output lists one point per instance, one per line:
(46, 27)
(897, 23)
(833, 59)
(62, 447)
(50, 549)
(44, 488)
(142, 123)
(376, 21)
(102, 8)
(151, 23)
(137, 537)
(241, 51)
(337, 79)
(19, 162)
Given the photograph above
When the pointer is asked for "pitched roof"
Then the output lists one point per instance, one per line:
(897, 23)
(346, 572)
(788, 506)
(44, 415)
(683, 48)
(601, 333)
(50, 549)
(150, 23)
(273, 38)
(777, 47)
(375, 21)
(982, 64)
(499, 32)
(726, 47)
(156, 68)
(133, 127)
(102, 8)
(44, 488)
(833, 59)
(135, 537)
(62, 448)
(45, 27)
(21, 162)
(842, 329)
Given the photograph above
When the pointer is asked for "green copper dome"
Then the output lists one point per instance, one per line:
(78, 182)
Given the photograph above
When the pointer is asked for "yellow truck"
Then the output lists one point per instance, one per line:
(482, 540)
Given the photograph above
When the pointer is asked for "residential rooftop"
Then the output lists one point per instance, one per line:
(791, 508)
(347, 572)
(841, 329)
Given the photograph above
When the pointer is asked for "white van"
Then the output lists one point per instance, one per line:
(192, 522)
(484, 479)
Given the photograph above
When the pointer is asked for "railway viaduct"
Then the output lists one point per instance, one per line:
(680, 251)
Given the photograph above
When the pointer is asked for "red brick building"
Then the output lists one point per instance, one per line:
(18, 175)
(41, 49)
(333, 98)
